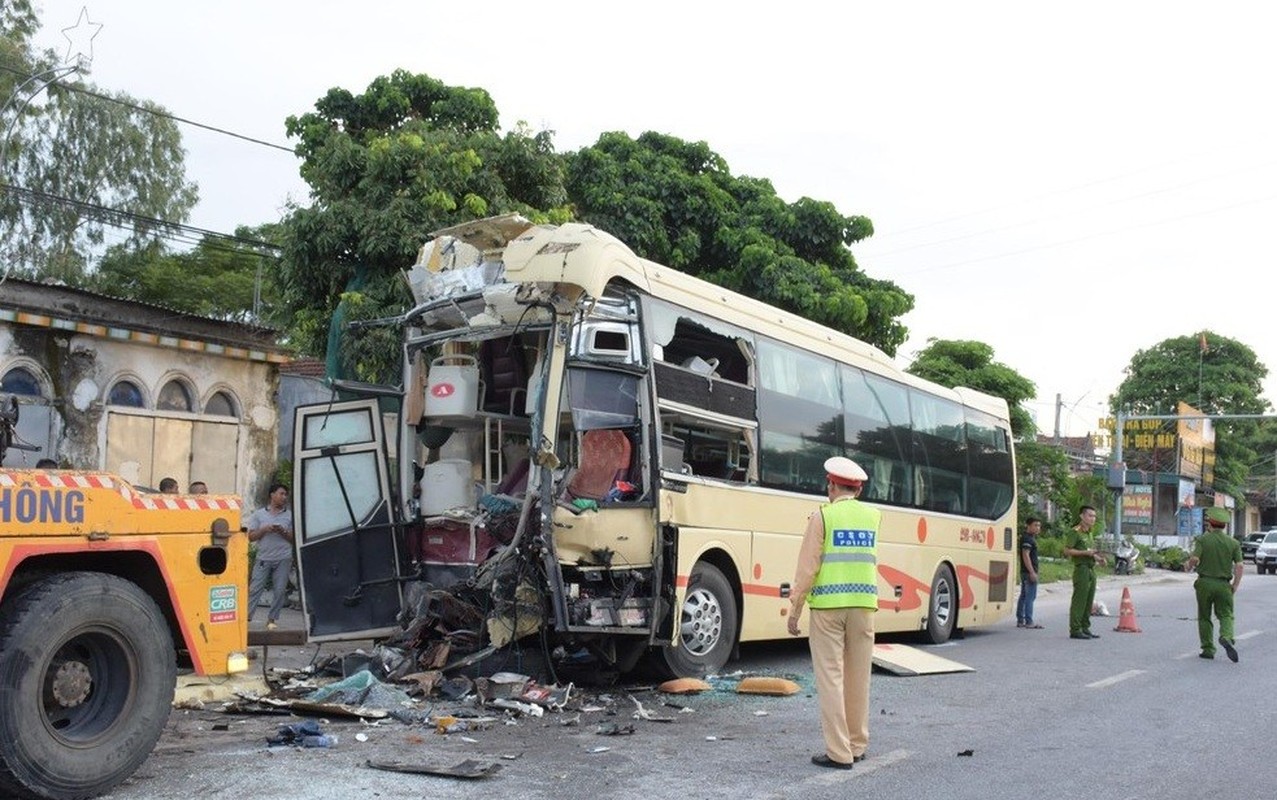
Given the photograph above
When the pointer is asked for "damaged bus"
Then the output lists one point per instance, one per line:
(619, 459)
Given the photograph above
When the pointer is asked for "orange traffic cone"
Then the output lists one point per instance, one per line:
(1126, 614)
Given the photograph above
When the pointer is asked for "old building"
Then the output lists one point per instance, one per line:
(139, 390)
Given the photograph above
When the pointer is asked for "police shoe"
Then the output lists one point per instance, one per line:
(823, 760)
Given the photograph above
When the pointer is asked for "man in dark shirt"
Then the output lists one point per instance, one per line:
(1217, 557)
(1028, 574)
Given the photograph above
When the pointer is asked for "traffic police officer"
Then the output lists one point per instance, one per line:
(837, 576)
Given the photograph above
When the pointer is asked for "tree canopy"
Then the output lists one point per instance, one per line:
(1216, 375)
(410, 155)
(677, 203)
(953, 362)
(79, 161)
(221, 277)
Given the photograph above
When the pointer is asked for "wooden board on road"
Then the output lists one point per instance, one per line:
(900, 659)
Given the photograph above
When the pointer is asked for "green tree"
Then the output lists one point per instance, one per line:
(78, 162)
(222, 277)
(951, 363)
(677, 203)
(408, 156)
(1216, 375)
(1042, 478)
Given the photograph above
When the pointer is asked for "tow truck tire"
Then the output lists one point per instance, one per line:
(87, 673)
(706, 631)
(942, 608)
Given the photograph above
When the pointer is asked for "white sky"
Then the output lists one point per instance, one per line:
(1069, 185)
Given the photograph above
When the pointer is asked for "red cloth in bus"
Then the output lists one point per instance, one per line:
(605, 456)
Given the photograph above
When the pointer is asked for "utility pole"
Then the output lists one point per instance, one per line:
(1059, 402)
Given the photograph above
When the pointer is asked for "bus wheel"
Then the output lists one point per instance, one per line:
(942, 617)
(707, 625)
(89, 668)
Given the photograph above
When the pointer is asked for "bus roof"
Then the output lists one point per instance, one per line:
(583, 255)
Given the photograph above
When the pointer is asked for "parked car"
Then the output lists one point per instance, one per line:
(1266, 554)
(1251, 543)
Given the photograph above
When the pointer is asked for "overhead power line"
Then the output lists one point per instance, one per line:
(118, 217)
(71, 87)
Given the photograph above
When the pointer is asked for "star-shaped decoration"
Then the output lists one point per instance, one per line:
(80, 39)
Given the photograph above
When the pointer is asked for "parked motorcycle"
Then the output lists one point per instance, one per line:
(1124, 557)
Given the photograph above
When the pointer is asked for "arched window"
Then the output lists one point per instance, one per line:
(20, 380)
(126, 393)
(174, 397)
(221, 404)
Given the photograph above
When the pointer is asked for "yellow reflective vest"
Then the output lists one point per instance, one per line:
(848, 575)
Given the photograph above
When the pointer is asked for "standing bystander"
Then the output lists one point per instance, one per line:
(837, 576)
(168, 486)
(197, 487)
(1217, 557)
(1079, 545)
(1028, 574)
(272, 529)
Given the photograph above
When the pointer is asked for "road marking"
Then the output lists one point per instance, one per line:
(1100, 684)
(1242, 638)
(834, 777)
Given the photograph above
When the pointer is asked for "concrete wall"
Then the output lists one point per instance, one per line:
(77, 372)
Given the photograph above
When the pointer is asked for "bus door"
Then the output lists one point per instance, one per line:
(344, 519)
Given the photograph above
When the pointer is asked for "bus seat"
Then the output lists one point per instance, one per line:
(515, 482)
(501, 363)
(605, 456)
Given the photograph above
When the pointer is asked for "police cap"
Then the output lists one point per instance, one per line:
(845, 472)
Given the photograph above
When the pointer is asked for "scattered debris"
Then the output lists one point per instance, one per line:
(470, 768)
(684, 686)
(360, 689)
(643, 713)
(302, 734)
(777, 687)
(614, 729)
(527, 709)
(966, 753)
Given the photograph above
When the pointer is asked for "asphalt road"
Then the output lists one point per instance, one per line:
(1130, 715)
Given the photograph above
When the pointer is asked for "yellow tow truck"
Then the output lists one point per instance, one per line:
(106, 592)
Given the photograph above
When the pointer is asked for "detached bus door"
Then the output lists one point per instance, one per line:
(342, 511)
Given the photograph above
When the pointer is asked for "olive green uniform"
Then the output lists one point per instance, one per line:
(1216, 552)
(1083, 582)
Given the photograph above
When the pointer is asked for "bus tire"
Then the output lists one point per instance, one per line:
(707, 626)
(942, 612)
(88, 668)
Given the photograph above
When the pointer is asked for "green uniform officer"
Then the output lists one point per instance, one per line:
(1079, 545)
(1217, 557)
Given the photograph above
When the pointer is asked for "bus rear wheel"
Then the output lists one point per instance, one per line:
(942, 614)
(707, 625)
(89, 663)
